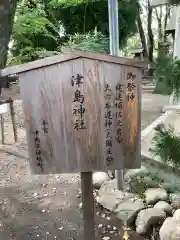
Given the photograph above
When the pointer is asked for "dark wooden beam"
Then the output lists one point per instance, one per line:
(4, 101)
(8, 79)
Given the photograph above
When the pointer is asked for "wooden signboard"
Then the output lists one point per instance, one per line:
(4, 108)
(82, 113)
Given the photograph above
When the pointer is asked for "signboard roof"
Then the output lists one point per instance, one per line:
(70, 56)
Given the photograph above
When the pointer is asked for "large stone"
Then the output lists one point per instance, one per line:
(176, 215)
(134, 173)
(166, 207)
(175, 200)
(147, 218)
(99, 178)
(153, 195)
(170, 230)
(109, 197)
(128, 210)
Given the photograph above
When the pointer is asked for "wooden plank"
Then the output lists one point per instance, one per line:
(81, 125)
(2, 129)
(132, 118)
(156, 3)
(48, 61)
(68, 56)
(109, 58)
(88, 205)
(113, 76)
(11, 105)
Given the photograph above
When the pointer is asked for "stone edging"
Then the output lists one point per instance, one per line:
(151, 127)
(151, 161)
(160, 165)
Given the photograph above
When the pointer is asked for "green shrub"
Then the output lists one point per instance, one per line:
(166, 145)
(167, 76)
(175, 79)
(163, 75)
(93, 41)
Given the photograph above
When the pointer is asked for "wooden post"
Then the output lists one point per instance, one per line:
(13, 119)
(2, 129)
(88, 205)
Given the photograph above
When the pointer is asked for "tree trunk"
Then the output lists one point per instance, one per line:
(167, 14)
(142, 35)
(160, 30)
(7, 12)
(150, 33)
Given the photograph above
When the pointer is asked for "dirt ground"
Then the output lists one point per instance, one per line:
(47, 207)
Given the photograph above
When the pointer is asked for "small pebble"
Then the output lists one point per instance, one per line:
(106, 238)
(114, 228)
(108, 218)
(43, 210)
(47, 233)
(108, 226)
(61, 228)
(37, 235)
(103, 215)
(100, 226)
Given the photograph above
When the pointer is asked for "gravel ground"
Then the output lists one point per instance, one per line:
(47, 207)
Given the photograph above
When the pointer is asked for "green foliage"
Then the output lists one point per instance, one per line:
(139, 186)
(174, 2)
(166, 145)
(171, 187)
(45, 25)
(163, 75)
(82, 16)
(33, 32)
(93, 41)
(29, 54)
(141, 183)
(175, 79)
(167, 76)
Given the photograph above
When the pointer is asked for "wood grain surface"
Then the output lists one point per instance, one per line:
(67, 120)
